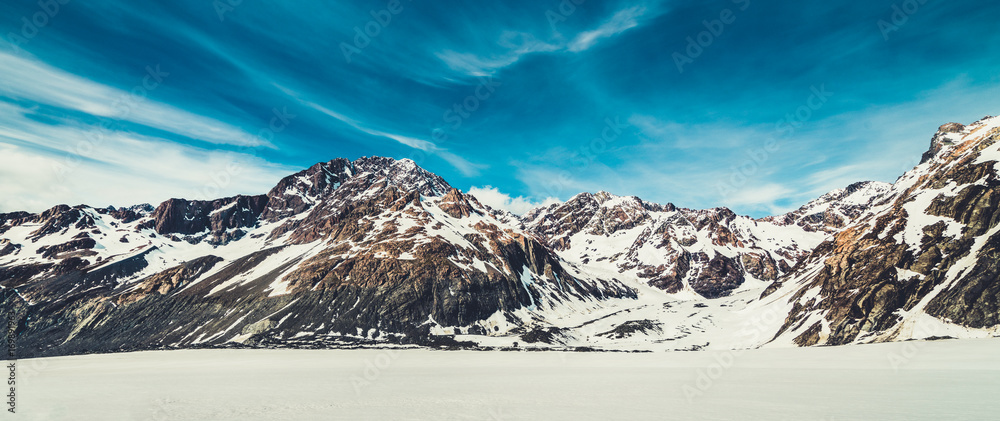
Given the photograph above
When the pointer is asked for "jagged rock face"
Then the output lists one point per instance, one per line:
(719, 276)
(78, 244)
(944, 138)
(8, 220)
(129, 214)
(708, 252)
(835, 210)
(363, 178)
(585, 212)
(458, 205)
(931, 251)
(7, 247)
(762, 266)
(57, 219)
(57, 240)
(389, 251)
(975, 300)
(222, 219)
(335, 182)
(298, 192)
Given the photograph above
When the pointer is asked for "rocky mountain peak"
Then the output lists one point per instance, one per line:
(128, 214)
(952, 134)
(297, 192)
(947, 135)
(603, 196)
(951, 128)
(403, 174)
(303, 190)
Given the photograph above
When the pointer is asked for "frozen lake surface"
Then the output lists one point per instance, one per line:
(942, 380)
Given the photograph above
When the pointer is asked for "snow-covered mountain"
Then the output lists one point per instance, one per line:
(703, 253)
(380, 251)
(920, 261)
(374, 249)
(833, 211)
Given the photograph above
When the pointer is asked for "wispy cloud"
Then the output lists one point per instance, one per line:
(685, 136)
(464, 166)
(32, 80)
(50, 167)
(622, 21)
(516, 45)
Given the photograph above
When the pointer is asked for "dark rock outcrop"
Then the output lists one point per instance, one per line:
(718, 278)
(217, 218)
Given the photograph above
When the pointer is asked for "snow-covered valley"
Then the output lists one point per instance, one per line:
(917, 380)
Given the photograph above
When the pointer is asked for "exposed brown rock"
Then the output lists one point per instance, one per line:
(219, 218)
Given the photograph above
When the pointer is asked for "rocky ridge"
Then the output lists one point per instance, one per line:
(918, 262)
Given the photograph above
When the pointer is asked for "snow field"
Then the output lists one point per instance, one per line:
(891, 381)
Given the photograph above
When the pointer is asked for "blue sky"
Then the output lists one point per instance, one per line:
(520, 102)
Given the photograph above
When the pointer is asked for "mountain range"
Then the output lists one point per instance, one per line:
(380, 252)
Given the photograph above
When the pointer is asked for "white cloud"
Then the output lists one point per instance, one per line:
(761, 197)
(622, 21)
(32, 80)
(43, 165)
(474, 65)
(43, 180)
(494, 198)
(520, 44)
